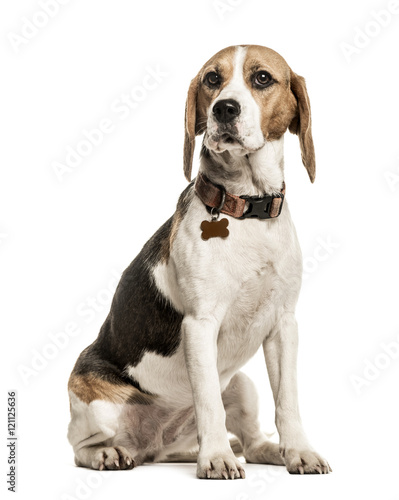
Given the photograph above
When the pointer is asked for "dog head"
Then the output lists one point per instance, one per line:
(242, 97)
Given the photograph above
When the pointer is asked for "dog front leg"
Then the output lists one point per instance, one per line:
(280, 350)
(215, 459)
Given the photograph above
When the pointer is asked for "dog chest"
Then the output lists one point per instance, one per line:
(244, 279)
(204, 275)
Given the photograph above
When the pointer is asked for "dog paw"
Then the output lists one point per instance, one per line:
(112, 458)
(305, 462)
(220, 466)
(265, 453)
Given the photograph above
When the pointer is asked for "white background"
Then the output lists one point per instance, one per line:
(64, 242)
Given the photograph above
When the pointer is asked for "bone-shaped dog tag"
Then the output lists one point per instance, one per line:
(214, 229)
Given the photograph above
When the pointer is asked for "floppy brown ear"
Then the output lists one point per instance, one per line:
(301, 124)
(190, 127)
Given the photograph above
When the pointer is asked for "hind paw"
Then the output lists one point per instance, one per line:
(112, 458)
(265, 453)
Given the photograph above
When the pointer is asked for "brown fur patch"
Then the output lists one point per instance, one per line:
(277, 103)
(199, 97)
(284, 104)
(223, 64)
(89, 388)
(181, 209)
(302, 124)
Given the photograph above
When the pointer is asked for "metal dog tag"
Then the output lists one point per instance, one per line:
(214, 229)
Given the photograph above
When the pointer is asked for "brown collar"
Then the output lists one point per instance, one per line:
(216, 197)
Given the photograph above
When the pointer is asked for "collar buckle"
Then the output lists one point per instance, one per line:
(262, 207)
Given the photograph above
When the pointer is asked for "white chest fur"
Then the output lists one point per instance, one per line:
(245, 281)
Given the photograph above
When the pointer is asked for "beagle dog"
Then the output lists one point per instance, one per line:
(219, 279)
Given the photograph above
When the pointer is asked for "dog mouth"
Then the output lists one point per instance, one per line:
(222, 140)
(228, 138)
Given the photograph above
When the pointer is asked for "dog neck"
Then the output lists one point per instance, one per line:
(253, 174)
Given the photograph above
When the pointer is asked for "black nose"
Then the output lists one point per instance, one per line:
(226, 110)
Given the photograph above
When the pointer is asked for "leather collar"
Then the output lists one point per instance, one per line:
(215, 197)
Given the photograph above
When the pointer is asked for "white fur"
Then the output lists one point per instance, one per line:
(238, 291)
(160, 375)
(91, 424)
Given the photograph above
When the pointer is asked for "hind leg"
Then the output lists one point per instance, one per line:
(102, 413)
(241, 405)
(91, 432)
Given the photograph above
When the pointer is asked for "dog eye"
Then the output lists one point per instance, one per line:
(212, 79)
(262, 79)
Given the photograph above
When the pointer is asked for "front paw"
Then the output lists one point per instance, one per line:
(222, 465)
(304, 461)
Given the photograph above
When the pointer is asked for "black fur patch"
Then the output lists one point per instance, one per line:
(140, 320)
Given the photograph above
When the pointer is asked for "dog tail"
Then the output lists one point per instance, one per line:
(191, 456)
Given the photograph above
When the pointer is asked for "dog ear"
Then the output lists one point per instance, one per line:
(301, 125)
(190, 127)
